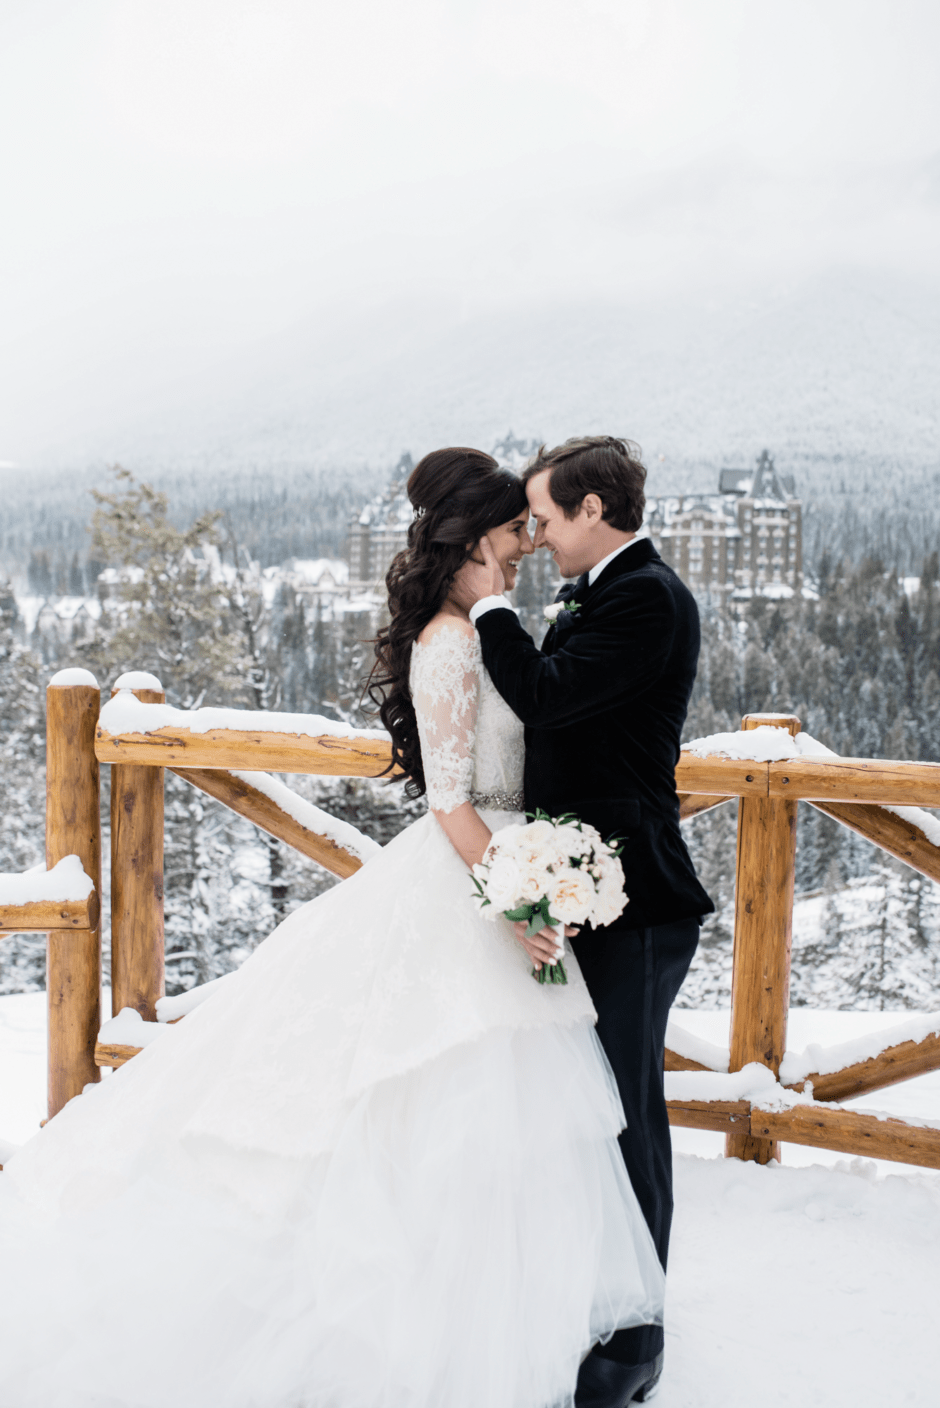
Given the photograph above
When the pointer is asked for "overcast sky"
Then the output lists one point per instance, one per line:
(182, 178)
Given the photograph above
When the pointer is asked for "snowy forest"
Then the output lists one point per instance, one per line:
(198, 598)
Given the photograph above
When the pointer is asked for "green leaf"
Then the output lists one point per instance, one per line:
(524, 911)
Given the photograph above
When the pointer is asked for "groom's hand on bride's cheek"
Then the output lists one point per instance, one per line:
(479, 577)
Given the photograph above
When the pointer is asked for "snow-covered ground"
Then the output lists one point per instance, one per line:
(813, 1283)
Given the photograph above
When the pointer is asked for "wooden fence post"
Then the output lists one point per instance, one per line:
(73, 827)
(137, 950)
(763, 927)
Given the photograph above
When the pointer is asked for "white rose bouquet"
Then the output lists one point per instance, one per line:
(553, 871)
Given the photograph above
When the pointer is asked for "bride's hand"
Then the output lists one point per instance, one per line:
(476, 579)
(543, 946)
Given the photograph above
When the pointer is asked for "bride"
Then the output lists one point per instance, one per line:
(378, 1169)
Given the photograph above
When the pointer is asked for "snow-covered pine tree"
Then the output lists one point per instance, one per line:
(171, 613)
(713, 851)
(174, 614)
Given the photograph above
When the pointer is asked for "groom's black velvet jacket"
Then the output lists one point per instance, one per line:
(604, 702)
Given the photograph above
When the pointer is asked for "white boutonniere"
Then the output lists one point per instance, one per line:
(552, 612)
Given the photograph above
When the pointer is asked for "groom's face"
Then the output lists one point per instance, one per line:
(569, 540)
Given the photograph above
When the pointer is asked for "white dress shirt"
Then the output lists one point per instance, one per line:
(490, 603)
(598, 568)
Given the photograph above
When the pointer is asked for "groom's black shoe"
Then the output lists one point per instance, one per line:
(603, 1383)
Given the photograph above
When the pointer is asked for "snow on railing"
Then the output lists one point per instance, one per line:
(696, 1048)
(125, 713)
(829, 1060)
(65, 882)
(153, 734)
(312, 818)
(129, 1029)
(753, 1082)
(765, 744)
(770, 744)
(755, 1085)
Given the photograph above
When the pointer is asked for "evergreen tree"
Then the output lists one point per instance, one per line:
(22, 787)
(76, 578)
(172, 614)
(712, 840)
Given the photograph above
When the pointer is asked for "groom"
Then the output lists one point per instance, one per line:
(604, 702)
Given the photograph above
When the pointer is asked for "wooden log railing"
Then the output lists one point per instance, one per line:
(903, 1061)
(41, 916)
(810, 778)
(888, 832)
(298, 746)
(226, 754)
(244, 794)
(137, 811)
(73, 827)
(137, 947)
(694, 803)
(763, 923)
(893, 1064)
(817, 1125)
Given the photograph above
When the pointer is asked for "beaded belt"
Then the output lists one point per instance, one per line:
(499, 801)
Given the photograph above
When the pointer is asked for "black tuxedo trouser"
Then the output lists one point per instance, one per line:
(633, 976)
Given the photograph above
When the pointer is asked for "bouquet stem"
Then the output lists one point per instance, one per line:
(551, 973)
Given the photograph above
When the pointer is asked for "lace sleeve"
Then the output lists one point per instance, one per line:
(444, 685)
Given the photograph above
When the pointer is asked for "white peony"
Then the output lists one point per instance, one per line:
(571, 896)
(534, 882)
(557, 859)
(505, 841)
(537, 833)
(570, 841)
(503, 883)
(611, 900)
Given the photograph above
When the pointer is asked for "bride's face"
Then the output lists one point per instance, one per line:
(510, 542)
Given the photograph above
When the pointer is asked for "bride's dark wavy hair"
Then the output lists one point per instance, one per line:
(458, 495)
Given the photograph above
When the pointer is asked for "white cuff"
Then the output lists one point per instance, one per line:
(487, 603)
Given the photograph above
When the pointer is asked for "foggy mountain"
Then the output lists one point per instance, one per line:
(839, 377)
(845, 367)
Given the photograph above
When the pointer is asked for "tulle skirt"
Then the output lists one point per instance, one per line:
(454, 1235)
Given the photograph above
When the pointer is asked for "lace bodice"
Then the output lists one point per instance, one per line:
(471, 741)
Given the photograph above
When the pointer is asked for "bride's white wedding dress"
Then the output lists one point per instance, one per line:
(378, 1169)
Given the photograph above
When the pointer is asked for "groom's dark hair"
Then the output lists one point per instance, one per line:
(595, 464)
